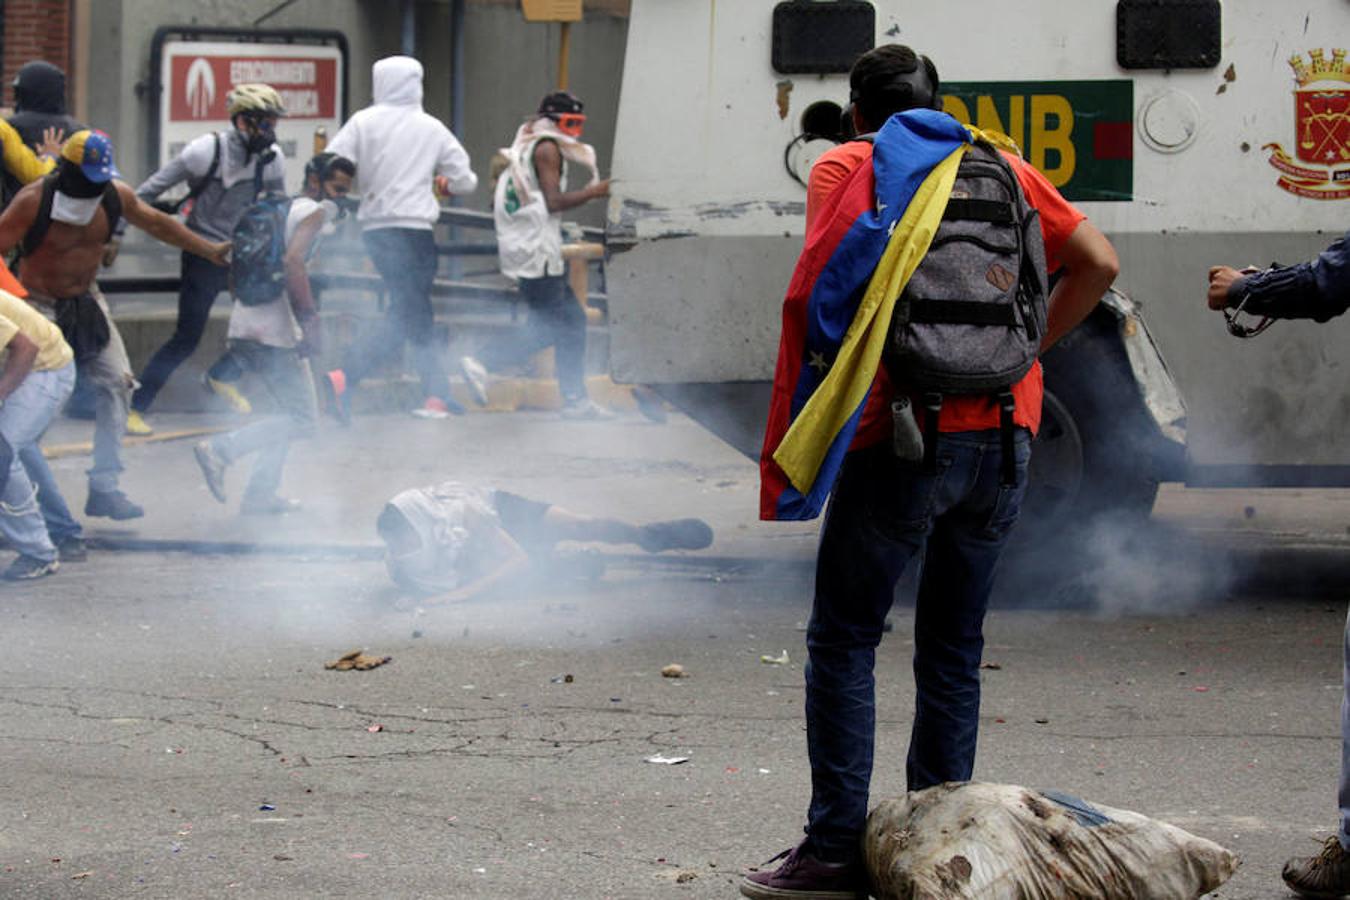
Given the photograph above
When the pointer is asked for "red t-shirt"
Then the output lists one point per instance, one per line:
(1059, 218)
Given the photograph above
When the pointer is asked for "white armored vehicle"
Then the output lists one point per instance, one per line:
(1192, 133)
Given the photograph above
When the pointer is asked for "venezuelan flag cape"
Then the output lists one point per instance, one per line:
(856, 262)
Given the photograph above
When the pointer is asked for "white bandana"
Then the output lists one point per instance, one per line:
(74, 210)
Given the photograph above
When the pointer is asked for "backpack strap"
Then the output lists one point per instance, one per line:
(112, 208)
(932, 405)
(32, 238)
(1006, 405)
(200, 184)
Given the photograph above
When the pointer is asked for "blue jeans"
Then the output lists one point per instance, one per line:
(882, 514)
(287, 378)
(556, 320)
(24, 417)
(406, 260)
(202, 281)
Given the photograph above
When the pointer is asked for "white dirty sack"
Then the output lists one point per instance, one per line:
(1004, 842)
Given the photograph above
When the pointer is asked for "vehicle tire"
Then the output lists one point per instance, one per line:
(1095, 464)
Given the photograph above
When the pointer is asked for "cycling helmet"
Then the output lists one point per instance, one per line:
(254, 99)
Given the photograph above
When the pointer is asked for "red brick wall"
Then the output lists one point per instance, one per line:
(34, 29)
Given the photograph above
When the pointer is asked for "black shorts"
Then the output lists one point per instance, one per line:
(523, 519)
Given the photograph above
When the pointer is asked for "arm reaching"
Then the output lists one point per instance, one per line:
(168, 229)
(18, 363)
(19, 160)
(548, 166)
(1090, 266)
(18, 217)
(297, 281)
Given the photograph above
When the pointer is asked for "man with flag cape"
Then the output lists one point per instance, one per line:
(873, 207)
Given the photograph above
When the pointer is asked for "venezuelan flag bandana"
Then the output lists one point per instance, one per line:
(837, 312)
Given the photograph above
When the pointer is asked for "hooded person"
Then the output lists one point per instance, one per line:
(527, 210)
(227, 171)
(40, 102)
(400, 152)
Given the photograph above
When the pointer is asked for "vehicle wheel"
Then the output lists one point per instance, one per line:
(1095, 464)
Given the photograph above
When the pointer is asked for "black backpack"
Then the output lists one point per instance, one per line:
(257, 262)
(971, 318)
(42, 220)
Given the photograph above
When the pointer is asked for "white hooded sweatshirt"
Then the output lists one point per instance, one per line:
(399, 149)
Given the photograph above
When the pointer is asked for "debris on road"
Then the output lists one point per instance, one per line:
(779, 660)
(674, 670)
(374, 729)
(562, 679)
(662, 760)
(991, 665)
(356, 660)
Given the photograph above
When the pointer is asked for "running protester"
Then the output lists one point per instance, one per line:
(527, 211)
(274, 340)
(401, 153)
(62, 225)
(36, 377)
(227, 171)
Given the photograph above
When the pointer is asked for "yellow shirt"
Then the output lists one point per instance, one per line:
(19, 159)
(17, 317)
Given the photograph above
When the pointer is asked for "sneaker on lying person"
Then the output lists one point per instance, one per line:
(1325, 875)
(678, 534)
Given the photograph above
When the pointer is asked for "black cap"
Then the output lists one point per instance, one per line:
(559, 102)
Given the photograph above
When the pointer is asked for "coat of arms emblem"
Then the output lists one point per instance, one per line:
(1320, 168)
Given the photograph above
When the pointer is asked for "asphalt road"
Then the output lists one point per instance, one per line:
(169, 729)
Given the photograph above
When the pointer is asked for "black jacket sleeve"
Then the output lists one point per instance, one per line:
(1318, 290)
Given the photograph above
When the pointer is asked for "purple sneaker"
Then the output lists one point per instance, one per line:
(803, 876)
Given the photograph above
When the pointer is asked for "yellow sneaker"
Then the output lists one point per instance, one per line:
(238, 402)
(137, 426)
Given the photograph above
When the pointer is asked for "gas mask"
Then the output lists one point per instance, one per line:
(259, 134)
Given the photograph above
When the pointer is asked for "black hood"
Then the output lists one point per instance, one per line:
(40, 87)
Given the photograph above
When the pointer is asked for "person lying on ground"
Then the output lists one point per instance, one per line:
(456, 540)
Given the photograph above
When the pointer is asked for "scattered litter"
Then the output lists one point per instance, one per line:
(480, 871)
(1042, 721)
(358, 856)
(282, 858)
(685, 877)
(733, 770)
(1200, 689)
(356, 660)
(79, 875)
(779, 660)
(615, 699)
(994, 666)
(661, 760)
(764, 771)
(562, 679)
(266, 807)
(674, 670)
(375, 728)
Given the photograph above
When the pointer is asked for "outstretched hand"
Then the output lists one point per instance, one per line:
(52, 140)
(220, 253)
(1221, 278)
(442, 186)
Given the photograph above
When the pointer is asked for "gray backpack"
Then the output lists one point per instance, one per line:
(971, 318)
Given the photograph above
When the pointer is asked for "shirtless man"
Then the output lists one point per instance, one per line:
(62, 223)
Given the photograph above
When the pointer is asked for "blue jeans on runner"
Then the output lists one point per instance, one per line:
(26, 413)
(61, 524)
(406, 259)
(556, 320)
(882, 514)
(201, 282)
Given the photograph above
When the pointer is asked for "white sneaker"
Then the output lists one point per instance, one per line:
(585, 410)
(475, 376)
